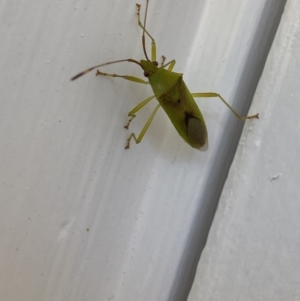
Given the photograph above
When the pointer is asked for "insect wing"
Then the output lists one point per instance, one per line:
(184, 113)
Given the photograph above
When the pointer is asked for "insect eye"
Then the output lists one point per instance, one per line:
(155, 63)
(146, 74)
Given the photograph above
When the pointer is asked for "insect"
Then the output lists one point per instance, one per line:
(171, 92)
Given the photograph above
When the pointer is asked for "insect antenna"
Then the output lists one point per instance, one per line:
(144, 28)
(105, 64)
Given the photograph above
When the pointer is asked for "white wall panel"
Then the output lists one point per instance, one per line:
(253, 248)
(80, 217)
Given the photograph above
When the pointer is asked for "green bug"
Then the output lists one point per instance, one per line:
(170, 91)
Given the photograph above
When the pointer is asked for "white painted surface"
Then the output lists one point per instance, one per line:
(253, 249)
(63, 165)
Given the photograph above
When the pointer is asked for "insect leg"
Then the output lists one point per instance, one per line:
(144, 130)
(212, 94)
(153, 44)
(136, 109)
(127, 77)
(140, 105)
(171, 63)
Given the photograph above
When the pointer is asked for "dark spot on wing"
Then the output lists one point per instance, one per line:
(195, 131)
